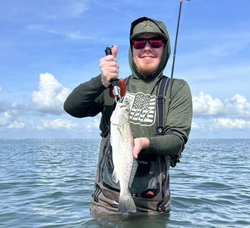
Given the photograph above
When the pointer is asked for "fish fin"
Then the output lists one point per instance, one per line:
(114, 177)
(111, 140)
(134, 169)
(119, 129)
(126, 204)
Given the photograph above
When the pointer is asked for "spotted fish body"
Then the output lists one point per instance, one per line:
(123, 160)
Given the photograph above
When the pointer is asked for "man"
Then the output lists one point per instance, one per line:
(148, 55)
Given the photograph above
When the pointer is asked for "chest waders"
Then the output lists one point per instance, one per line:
(150, 188)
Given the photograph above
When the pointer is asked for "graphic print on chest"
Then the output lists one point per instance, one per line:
(142, 108)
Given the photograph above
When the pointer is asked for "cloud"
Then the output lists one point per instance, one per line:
(212, 114)
(206, 106)
(50, 96)
(9, 121)
(220, 124)
(48, 99)
(1, 89)
(70, 9)
(64, 124)
(237, 106)
(59, 124)
(195, 126)
(93, 125)
(16, 125)
(13, 109)
(224, 123)
(4, 121)
(4, 105)
(11, 112)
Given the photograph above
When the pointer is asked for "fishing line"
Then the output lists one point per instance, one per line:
(183, 11)
(51, 10)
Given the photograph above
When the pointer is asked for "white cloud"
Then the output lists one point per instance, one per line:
(204, 104)
(212, 114)
(64, 124)
(7, 119)
(51, 95)
(218, 124)
(48, 99)
(3, 121)
(60, 124)
(195, 126)
(235, 107)
(93, 125)
(16, 125)
(1, 89)
(224, 123)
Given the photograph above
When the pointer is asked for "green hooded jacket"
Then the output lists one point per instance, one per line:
(91, 98)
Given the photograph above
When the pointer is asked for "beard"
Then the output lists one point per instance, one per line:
(147, 71)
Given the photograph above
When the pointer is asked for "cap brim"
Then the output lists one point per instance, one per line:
(140, 33)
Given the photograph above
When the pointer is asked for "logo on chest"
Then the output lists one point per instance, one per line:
(142, 108)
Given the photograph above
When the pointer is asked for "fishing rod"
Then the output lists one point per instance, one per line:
(175, 159)
(175, 47)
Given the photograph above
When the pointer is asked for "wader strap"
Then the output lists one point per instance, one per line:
(96, 193)
(160, 109)
(160, 104)
(127, 80)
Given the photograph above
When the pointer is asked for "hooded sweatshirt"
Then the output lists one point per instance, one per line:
(91, 98)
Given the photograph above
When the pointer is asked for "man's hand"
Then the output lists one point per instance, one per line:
(140, 144)
(109, 67)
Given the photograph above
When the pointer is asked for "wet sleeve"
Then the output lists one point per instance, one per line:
(86, 99)
(178, 123)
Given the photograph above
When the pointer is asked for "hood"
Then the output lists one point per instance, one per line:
(143, 25)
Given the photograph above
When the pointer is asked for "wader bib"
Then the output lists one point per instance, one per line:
(150, 188)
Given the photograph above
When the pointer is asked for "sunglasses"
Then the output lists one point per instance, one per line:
(140, 43)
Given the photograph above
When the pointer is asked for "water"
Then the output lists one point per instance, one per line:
(48, 183)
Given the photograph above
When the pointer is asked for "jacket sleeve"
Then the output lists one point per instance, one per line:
(85, 100)
(178, 123)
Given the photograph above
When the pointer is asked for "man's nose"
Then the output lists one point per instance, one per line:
(147, 45)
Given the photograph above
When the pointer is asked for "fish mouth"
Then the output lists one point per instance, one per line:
(124, 103)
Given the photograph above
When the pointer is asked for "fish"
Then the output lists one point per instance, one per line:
(125, 164)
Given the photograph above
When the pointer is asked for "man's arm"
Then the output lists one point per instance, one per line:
(84, 100)
(178, 125)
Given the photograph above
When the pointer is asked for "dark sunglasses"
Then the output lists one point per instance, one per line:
(140, 43)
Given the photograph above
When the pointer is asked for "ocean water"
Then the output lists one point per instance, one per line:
(48, 183)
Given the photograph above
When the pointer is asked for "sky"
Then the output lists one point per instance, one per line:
(48, 47)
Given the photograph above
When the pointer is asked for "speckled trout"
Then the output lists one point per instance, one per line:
(124, 163)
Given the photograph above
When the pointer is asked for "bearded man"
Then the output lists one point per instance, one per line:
(149, 52)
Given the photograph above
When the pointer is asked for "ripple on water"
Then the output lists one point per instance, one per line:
(48, 183)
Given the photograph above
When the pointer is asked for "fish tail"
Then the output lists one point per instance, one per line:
(126, 204)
